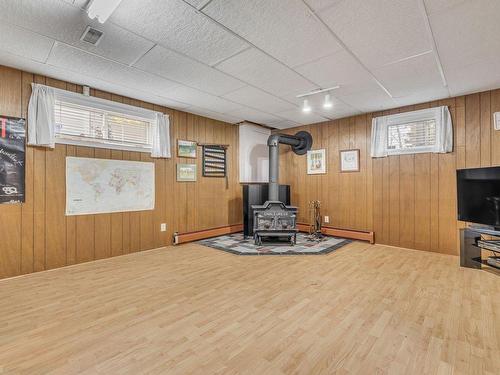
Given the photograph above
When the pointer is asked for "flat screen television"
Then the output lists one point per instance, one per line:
(478, 192)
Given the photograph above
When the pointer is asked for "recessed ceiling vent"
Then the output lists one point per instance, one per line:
(92, 36)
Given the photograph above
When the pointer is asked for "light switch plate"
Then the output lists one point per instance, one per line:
(496, 120)
(163, 227)
(327, 219)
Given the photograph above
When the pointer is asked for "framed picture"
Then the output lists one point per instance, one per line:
(349, 160)
(186, 149)
(316, 161)
(186, 172)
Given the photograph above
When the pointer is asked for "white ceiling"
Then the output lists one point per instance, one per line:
(236, 60)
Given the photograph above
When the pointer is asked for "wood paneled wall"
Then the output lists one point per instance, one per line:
(37, 235)
(409, 200)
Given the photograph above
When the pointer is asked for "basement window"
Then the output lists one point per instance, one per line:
(94, 122)
(418, 136)
(428, 130)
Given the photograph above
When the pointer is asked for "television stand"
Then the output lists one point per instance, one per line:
(470, 252)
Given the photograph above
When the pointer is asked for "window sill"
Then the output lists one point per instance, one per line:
(109, 146)
(410, 152)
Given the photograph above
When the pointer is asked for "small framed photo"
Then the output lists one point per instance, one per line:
(186, 172)
(186, 149)
(349, 160)
(316, 161)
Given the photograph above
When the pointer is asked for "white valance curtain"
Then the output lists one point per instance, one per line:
(161, 137)
(41, 122)
(41, 117)
(444, 129)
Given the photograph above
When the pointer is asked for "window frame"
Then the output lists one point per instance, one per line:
(106, 106)
(415, 149)
(443, 130)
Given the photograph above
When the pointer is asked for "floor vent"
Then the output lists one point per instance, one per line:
(92, 36)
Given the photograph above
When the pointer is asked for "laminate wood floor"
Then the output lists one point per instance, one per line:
(364, 309)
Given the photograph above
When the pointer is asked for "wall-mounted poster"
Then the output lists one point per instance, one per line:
(316, 161)
(186, 172)
(349, 160)
(186, 149)
(12, 155)
(95, 186)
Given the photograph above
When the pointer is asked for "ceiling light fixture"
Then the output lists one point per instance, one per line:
(306, 108)
(102, 9)
(328, 102)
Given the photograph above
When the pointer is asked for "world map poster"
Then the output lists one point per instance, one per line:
(95, 186)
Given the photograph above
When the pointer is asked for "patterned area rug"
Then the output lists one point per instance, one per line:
(236, 244)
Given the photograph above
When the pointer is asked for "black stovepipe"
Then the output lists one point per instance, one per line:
(301, 142)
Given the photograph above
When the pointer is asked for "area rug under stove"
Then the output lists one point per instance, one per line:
(236, 244)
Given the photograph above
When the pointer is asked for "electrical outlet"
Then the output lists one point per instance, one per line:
(327, 219)
(163, 227)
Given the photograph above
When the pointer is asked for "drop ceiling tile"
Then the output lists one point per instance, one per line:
(284, 124)
(203, 100)
(258, 99)
(379, 32)
(173, 66)
(75, 60)
(321, 5)
(467, 34)
(24, 43)
(345, 113)
(197, 3)
(338, 110)
(260, 70)
(339, 68)
(296, 115)
(213, 115)
(25, 64)
(422, 96)
(353, 88)
(413, 78)
(66, 23)
(434, 6)
(249, 114)
(476, 77)
(371, 99)
(271, 25)
(176, 25)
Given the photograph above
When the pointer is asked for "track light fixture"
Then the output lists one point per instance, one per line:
(102, 9)
(327, 104)
(318, 91)
(306, 108)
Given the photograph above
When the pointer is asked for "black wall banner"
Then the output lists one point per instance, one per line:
(12, 136)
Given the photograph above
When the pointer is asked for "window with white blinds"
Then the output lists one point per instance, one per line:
(412, 136)
(97, 127)
(425, 130)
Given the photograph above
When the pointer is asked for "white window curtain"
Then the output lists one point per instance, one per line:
(161, 137)
(41, 122)
(444, 130)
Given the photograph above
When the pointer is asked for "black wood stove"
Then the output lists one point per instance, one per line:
(274, 221)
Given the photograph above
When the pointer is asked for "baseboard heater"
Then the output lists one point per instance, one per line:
(180, 238)
(345, 233)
